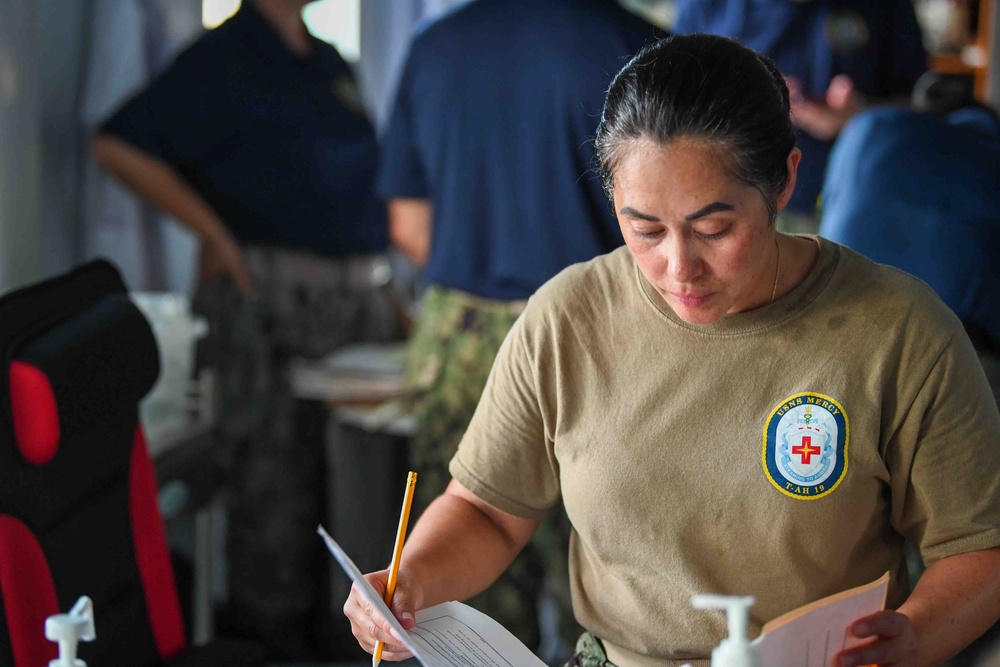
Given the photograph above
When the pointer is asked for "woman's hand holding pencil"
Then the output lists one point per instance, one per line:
(367, 625)
(374, 637)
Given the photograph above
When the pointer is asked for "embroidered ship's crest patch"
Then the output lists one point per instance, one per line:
(805, 446)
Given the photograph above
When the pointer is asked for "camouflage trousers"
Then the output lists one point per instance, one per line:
(450, 356)
(589, 653)
(302, 305)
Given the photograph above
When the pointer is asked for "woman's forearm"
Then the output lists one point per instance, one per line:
(460, 546)
(157, 182)
(954, 602)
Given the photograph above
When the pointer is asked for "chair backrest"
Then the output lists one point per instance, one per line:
(78, 512)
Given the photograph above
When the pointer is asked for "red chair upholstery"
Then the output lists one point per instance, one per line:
(78, 512)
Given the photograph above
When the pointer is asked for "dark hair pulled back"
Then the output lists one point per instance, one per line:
(706, 88)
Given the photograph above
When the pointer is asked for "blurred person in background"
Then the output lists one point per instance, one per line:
(487, 166)
(837, 55)
(919, 189)
(255, 138)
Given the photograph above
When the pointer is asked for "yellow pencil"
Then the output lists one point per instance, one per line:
(397, 552)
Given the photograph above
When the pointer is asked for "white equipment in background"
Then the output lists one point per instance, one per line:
(168, 406)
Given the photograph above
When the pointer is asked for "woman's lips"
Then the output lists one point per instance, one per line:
(691, 300)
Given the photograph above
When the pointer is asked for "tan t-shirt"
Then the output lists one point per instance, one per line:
(781, 452)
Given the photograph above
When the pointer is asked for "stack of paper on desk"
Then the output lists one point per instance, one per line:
(358, 372)
(446, 635)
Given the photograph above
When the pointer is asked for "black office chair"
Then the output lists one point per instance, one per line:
(78, 510)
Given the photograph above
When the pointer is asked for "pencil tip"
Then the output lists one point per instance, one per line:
(375, 661)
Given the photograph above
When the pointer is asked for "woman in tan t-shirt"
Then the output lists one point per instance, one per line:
(698, 156)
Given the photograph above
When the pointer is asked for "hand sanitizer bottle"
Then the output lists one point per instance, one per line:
(735, 650)
(69, 629)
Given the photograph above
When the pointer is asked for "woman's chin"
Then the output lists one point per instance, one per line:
(701, 315)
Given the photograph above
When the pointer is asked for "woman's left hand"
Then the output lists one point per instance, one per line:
(894, 641)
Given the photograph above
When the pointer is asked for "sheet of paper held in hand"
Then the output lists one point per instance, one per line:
(811, 635)
(447, 635)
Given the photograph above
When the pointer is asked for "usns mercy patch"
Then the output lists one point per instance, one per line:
(805, 446)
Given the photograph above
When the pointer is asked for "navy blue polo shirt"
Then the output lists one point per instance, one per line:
(875, 42)
(922, 193)
(493, 123)
(278, 145)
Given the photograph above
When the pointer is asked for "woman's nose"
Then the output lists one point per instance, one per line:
(682, 261)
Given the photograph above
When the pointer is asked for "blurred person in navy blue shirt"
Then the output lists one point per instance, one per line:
(837, 56)
(487, 166)
(921, 192)
(265, 141)
(255, 138)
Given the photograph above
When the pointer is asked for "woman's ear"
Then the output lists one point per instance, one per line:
(794, 157)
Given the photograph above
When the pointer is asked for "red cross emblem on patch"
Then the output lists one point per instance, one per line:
(806, 450)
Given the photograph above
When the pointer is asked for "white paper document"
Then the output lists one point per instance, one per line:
(451, 634)
(812, 635)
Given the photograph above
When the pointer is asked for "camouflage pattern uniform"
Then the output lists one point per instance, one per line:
(302, 305)
(589, 653)
(449, 359)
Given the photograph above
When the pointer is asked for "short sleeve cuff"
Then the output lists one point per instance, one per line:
(135, 125)
(987, 539)
(394, 185)
(482, 490)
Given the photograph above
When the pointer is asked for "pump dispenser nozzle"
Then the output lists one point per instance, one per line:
(69, 629)
(735, 650)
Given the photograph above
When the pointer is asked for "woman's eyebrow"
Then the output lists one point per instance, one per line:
(700, 213)
(629, 211)
(711, 208)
